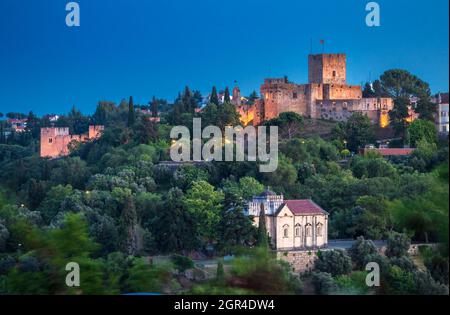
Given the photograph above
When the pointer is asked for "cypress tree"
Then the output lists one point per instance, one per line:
(214, 98)
(227, 98)
(262, 229)
(130, 112)
(154, 107)
(129, 227)
(220, 273)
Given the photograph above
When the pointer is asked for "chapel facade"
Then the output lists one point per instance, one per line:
(291, 224)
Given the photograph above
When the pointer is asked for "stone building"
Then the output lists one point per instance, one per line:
(55, 140)
(442, 115)
(291, 224)
(326, 95)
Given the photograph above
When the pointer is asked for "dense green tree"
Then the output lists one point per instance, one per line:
(204, 203)
(235, 230)
(175, 228)
(421, 130)
(289, 123)
(356, 132)
(400, 83)
(426, 108)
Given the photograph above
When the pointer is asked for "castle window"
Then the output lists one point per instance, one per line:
(50, 140)
(334, 74)
(294, 95)
(298, 230)
(286, 231)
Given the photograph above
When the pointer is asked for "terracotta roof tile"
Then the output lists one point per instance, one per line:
(393, 151)
(304, 206)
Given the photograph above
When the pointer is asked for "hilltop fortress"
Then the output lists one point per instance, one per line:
(55, 141)
(326, 95)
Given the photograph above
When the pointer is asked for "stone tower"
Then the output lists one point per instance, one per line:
(236, 96)
(327, 69)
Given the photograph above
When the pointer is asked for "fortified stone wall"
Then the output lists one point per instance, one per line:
(341, 91)
(55, 141)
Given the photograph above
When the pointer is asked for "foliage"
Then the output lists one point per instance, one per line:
(323, 283)
(421, 130)
(182, 263)
(357, 131)
(334, 262)
(397, 245)
(360, 250)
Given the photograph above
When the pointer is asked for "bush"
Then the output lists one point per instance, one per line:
(323, 283)
(360, 250)
(6, 263)
(397, 245)
(354, 283)
(335, 262)
(438, 267)
(404, 262)
(425, 284)
(182, 263)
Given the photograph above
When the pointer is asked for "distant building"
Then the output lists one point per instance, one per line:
(326, 95)
(18, 125)
(55, 141)
(442, 121)
(291, 224)
(388, 152)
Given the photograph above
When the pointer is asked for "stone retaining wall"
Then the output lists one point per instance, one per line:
(303, 260)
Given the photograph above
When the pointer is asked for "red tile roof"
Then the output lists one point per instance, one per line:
(303, 206)
(394, 151)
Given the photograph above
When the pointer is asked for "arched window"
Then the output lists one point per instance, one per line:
(298, 230)
(308, 230)
(319, 229)
(286, 231)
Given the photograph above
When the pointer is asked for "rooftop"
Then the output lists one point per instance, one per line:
(303, 206)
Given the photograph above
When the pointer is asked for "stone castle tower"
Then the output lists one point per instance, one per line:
(326, 95)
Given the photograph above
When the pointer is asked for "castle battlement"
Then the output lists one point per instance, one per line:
(326, 95)
(55, 140)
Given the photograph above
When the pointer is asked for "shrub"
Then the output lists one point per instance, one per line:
(360, 250)
(182, 263)
(397, 245)
(335, 262)
(323, 283)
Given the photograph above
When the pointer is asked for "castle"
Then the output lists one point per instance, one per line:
(55, 141)
(291, 224)
(326, 95)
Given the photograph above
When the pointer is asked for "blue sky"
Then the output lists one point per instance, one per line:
(156, 47)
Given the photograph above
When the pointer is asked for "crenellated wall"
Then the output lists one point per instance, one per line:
(55, 141)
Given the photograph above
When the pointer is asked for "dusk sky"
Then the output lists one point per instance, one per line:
(156, 47)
